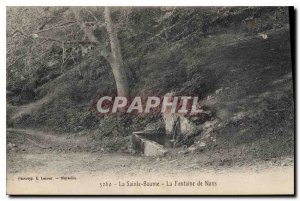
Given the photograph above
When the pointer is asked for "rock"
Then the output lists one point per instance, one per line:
(11, 146)
(185, 125)
(192, 149)
(183, 152)
(210, 124)
(176, 121)
(263, 35)
(219, 90)
(210, 101)
(238, 116)
(202, 144)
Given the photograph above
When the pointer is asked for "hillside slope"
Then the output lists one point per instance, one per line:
(242, 71)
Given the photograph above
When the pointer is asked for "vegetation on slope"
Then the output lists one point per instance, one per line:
(192, 51)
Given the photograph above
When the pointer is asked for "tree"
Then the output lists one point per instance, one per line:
(48, 27)
(116, 60)
(114, 57)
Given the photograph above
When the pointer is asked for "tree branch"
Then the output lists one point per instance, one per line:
(88, 33)
(63, 25)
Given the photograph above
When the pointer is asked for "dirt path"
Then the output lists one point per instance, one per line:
(29, 140)
(92, 169)
(31, 149)
(29, 108)
(52, 155)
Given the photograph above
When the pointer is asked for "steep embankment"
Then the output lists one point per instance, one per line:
(254, 95)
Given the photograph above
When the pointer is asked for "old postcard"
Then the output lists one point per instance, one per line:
(150, 100)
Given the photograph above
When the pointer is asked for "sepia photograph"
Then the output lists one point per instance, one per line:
(160, 100)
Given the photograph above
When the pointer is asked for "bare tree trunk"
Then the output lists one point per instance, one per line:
(116, 56)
